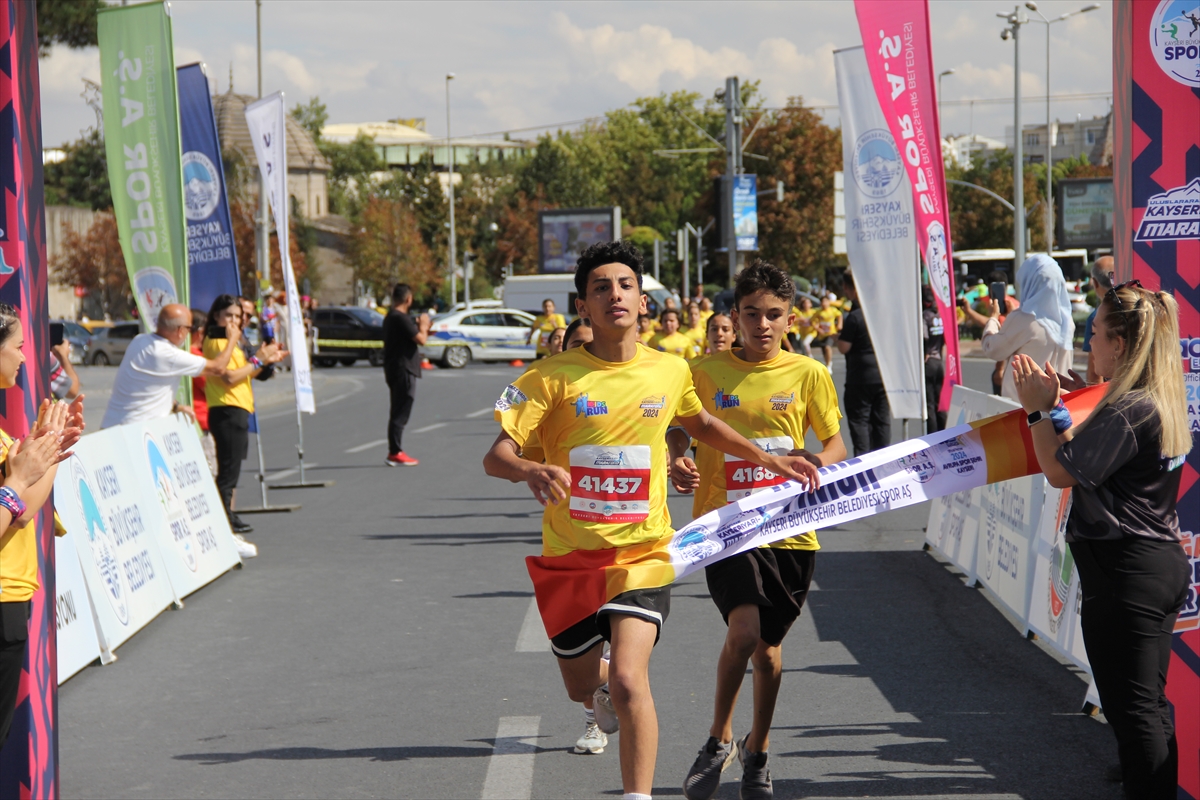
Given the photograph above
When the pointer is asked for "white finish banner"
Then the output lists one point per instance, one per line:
(194, 537)
(268, 131)
(880, 236)
(78, 641)
(103, 502)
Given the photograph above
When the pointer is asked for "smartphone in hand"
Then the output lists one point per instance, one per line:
(57, 332)
(998, 291)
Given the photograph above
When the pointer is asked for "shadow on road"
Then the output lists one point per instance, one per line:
(323, 753)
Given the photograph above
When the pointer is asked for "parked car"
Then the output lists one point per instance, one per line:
(80, 340)
(492, 334)
(347, 333)
(108, 345)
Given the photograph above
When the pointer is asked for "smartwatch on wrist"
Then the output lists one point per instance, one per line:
(1037, 417)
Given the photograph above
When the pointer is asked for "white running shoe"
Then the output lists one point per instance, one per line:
(245, 549)
(602, 707)
(593, 740)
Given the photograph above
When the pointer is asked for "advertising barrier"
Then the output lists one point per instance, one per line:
(78, 641)
(1054, 599)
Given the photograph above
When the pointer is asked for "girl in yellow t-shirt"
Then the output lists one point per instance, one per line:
(231, 399)
(804, 329)
(29, 467)
(695, 329)
(545, 324)
(671, 340)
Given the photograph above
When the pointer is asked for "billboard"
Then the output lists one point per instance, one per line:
(1084, 211)
(566, 232)
(745, 212)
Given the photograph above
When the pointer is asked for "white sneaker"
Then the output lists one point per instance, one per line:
(602, 707)
(245, 549)
(593, 740)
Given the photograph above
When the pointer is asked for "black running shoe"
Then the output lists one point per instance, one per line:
(705, 775)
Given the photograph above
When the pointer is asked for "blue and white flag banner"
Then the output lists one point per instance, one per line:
(881, 241)
(212, 256)
(268, 131)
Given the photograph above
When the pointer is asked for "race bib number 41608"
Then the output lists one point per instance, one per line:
(743, 479)
(610, 483)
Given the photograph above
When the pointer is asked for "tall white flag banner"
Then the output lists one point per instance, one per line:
(268, 131)
(881, 238)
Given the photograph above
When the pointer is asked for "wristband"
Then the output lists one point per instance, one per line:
(1061, 417)
(11, 502)
(255, 362)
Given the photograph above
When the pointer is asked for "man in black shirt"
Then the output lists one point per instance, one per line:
(868, 414)
(402, 340)
(933, 336)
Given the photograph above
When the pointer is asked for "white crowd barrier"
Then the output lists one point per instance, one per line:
(145, 528)
(1009, 537)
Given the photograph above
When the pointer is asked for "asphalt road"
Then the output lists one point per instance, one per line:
(377, 647)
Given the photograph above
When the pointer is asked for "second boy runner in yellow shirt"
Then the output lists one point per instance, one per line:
(601, 413)
(772, 398)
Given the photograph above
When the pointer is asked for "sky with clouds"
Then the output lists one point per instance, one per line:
(523, 64)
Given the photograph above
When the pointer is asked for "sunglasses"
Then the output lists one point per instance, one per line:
(1116, 298)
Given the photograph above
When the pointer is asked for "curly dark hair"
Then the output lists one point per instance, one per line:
(760, 276)
(10, 320)
(618, 252)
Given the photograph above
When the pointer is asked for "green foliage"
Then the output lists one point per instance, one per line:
(350, 176)
(978, 221)
(644, 237)
(312, 116)
(69, 22)
(81, 179)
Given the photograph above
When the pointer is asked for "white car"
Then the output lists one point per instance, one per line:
(480, 334)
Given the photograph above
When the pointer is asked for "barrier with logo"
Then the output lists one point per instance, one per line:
(194, 537)
(1054, 599)
(101, 494)
(78, 642)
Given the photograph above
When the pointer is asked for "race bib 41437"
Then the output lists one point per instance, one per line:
(610, 483)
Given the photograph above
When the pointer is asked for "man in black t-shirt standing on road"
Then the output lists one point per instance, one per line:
(402, 340)
(868, 414)
(933, 340)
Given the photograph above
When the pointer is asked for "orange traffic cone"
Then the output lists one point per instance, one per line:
(425, 364)
(516, 362)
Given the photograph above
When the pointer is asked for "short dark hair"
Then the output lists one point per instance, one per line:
(998, 275)
(666, 311)
(619, 252)
(575, 325)
(401, 292)
(761, 276)
(222, 302)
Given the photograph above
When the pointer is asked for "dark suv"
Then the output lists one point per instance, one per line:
(346, 334)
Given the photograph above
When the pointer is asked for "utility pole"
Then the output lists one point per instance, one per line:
(450, 183)
(1015, 20)
(681, 247)
(657, 258)
(733, 166)
(264, 239)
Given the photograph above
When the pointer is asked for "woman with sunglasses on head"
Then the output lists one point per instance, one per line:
(1124, 465)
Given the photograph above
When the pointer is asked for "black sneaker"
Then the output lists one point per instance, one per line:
(239, 525)
(756, 778)
(705, 775)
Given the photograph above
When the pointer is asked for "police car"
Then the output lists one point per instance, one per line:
(480, 334)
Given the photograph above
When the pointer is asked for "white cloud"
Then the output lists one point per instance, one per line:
(64, 69)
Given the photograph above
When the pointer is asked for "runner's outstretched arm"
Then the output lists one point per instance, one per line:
(685, 477)
(706, 428)
(547, 482)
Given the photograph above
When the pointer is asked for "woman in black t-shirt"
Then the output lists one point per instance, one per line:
(1124, 464)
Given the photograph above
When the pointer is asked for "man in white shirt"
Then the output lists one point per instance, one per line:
(150, 371)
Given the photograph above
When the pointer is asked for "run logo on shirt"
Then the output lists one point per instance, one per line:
(722, 400)
(590, 408)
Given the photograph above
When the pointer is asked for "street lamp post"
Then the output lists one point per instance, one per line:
(941, 75)
(450, 181)
(1015, 21)
(1049, 136)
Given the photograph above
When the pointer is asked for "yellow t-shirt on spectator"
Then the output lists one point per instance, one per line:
(241, 395)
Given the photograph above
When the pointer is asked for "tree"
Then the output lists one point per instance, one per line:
(388, 247)
(93, 261)
(69, 22)
(353, 166)
(978, 221)
(242, 214)
(81, 178)
(312, 116)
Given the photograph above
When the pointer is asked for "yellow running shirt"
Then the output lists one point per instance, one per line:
(676, 344)
(772, 403)
(804, 321)
(826, 321)
(606, 424)
(699, 337)
(546, 325)
(216, 392)
(19, 549)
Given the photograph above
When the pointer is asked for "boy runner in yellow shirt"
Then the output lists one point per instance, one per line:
(772, 398)
(827, 320)
(545, 324)
(695, 329)
(671, 340)
(601, 413)
(646, 331)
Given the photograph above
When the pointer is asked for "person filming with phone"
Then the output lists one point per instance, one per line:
(1041, 328)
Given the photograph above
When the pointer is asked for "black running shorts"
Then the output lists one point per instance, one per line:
(775, 580)
(652, 605)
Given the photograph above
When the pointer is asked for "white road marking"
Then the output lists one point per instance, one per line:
(479, 413)
(274, 476)
(510, 769)
(432, 427)
(532, 638)
(367, 446)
